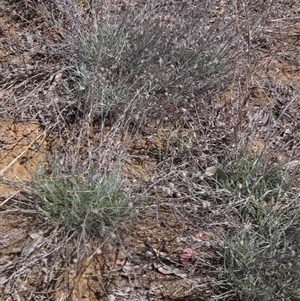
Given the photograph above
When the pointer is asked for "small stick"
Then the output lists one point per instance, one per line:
(236, 17)
(84, 265)
(283, 19)
(5, 201)
(21, 154)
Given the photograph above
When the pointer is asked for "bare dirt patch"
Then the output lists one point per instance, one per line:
(21, 152)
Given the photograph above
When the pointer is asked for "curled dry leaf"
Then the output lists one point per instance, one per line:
(186, 255)
(216, 171)
(167, 270)
(120, 260)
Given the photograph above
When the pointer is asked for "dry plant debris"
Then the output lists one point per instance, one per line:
(191, 104)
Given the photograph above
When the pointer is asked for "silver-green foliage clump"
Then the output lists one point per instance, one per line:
(255, 175)
(115, 57)
(262, 256)
(93, 202)
(262, 260)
